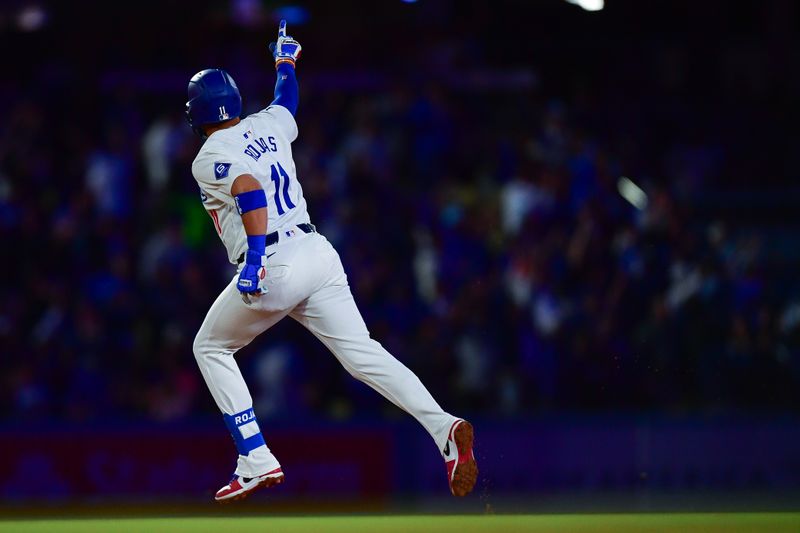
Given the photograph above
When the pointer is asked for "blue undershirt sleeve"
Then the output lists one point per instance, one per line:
(286, 89)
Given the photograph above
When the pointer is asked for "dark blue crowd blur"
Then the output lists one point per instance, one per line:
(477, 212)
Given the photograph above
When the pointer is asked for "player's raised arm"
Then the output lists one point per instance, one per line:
(251, 202)
(286, 51)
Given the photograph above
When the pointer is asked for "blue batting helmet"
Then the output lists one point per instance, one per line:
(213, 97)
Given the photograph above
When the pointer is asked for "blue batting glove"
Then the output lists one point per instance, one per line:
(286, 49)
(252, 277)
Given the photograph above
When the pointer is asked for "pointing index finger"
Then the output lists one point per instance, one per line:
(282, 29)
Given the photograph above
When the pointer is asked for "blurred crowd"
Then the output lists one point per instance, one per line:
(495, 257)
(484, 235)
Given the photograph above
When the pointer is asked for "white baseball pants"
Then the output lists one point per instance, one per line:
(306, 281)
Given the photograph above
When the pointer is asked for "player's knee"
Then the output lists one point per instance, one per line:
(355, 372)
(200, 346)
(206, 347)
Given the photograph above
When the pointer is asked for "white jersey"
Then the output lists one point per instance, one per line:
(259, 145)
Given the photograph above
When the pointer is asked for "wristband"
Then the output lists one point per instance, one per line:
(257, 243)
(255, 258)
(250, 201)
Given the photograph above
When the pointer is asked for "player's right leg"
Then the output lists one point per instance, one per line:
(229, 326)
(330, 313)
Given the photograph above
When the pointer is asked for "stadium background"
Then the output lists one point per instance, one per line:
(465, 159)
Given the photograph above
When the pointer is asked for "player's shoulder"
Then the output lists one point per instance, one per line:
(216, 154)
(273, 112)
(211, 148)
(280, 116)
(203, 161)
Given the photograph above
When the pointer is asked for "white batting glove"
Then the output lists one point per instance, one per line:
(286, 49)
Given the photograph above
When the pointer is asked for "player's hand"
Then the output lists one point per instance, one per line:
(252, 277)
(286, 49)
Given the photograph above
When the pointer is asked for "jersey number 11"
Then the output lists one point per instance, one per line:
(276, 175)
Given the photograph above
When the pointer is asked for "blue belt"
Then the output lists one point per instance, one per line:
(272, 238)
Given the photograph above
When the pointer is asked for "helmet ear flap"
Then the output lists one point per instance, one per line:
(187, 113)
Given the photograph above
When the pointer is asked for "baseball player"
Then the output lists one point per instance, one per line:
(285, 267)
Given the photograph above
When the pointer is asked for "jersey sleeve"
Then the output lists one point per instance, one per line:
(280, 116)
(216, 172)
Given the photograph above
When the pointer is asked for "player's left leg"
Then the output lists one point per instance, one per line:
(229, 326)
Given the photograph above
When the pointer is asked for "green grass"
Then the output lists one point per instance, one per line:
(617, 523)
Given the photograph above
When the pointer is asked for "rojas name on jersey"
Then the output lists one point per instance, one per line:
(260, 146)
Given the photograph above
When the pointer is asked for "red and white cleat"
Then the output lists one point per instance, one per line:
(241, 487)
(462, 470)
